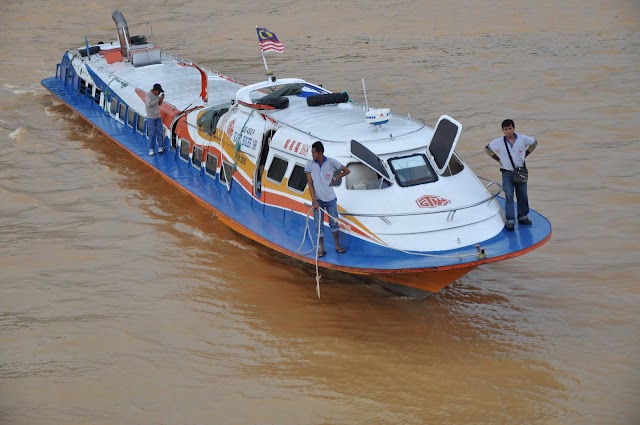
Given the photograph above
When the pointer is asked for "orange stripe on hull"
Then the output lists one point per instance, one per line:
(277, 200)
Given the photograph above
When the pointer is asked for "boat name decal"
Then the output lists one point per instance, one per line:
(432, 201)
(297, 147)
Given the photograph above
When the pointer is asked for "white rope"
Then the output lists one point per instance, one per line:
(317, 271)
(307, 230)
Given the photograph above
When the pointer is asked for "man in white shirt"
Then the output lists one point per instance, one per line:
(320, 179)
(519, 146)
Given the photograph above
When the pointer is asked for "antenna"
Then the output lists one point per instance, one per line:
(366, 104)
(375, 116)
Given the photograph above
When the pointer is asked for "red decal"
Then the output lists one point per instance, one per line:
(286, 143)
(297, 147)
(432, 201)
(230, 128)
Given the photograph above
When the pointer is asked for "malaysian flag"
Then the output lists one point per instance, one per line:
(268, 41)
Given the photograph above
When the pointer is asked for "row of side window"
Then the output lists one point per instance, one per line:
(210, 164)
(297, 179)
(211, 160)
(87, 89)
(276, 172)
(126, 115)
(117, 109)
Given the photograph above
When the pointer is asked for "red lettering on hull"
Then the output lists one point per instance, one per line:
(432, 201)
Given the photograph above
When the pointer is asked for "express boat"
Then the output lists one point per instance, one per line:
(413, 215)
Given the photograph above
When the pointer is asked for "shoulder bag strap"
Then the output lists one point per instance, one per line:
(524, 164)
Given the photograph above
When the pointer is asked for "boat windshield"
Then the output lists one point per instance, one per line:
(412, 170)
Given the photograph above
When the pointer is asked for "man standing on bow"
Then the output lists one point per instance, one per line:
(321, 175)
(510, 151)
(152, 101)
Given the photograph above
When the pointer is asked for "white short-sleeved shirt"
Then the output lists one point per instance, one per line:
(518, 150)
(322, 175)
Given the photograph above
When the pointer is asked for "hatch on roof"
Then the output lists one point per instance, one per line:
(368, 158)
(444, 140)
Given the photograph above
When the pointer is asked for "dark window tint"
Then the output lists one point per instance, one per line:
(298, 179)
(184, 149)
(130, 117)
(277, 169)
(196, 158)
(454, 166)
(122, 111)
(226, 172)
(368, 157)
(140, 124)
(443, 142)
(211, 164)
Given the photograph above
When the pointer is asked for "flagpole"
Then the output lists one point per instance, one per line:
(267, 71)
(264, 60)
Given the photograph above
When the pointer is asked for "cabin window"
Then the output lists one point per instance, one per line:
(226, 171)
(140, 124)
(81, 86)
(131, 115)
(122, 111)
(211, 165)
(113, 106)
(412, 170)
(97, 96)
(196, 158)
(298, 179)
(184, 149)
(361, 177)
(454, 166)
(89, 89)
(277, 169)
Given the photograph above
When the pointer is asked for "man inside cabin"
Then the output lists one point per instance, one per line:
(321, 175)
(519, 146)
(152, 102)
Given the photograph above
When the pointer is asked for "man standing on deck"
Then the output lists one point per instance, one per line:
(320, 179)
(152, 102)
(519, 146)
